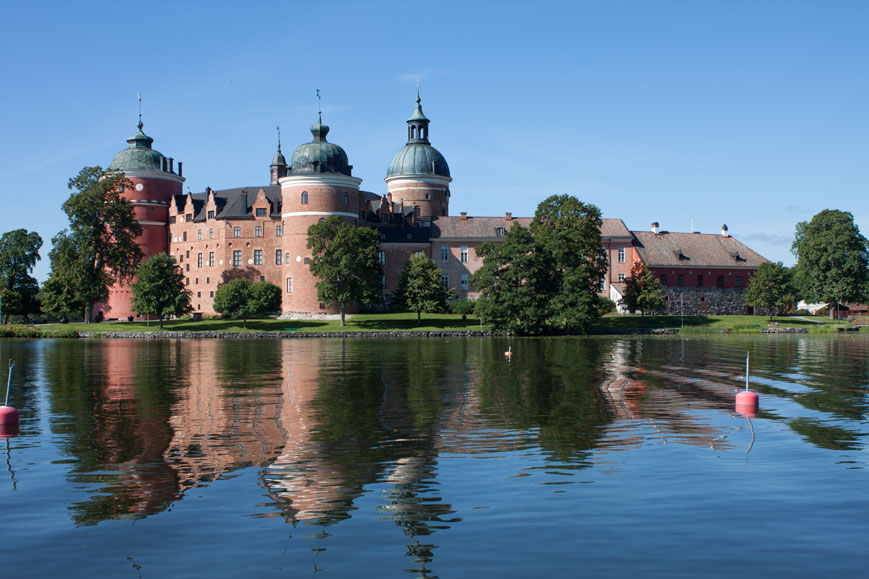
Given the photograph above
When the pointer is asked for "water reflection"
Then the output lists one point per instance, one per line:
(323, 422)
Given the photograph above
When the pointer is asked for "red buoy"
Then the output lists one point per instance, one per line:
(509, 353)
(8, 430)
(747, 403)
(8, 415)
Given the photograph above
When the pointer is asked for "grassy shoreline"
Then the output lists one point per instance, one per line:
(407, 322)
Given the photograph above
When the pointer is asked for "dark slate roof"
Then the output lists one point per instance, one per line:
(405, 234)
(487, 227)
(694, 250)
(418, 159)
(230, 203)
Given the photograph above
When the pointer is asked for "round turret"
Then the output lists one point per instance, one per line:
(319, 156)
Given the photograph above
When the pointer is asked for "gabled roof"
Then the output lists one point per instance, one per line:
(486, 227)
(694, 250)
(231, 205)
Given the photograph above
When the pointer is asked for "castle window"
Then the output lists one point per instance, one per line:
(322, 220)
(287, 257)
(260, 211)
(289, 285)
(236, 231)
(189, 218)
(199, 234)
(699, 281)
(464, 254)
(381, 257)
(362, 215)
(738, 282)
(172, 220)
(500, 232)
(184, 236)
(199, 294)
(278, 256)
(307, 260)
(621, 277)
(602, 285)
(258, 231)
(257, 256)
(680, 280)
(445, 253)
(210, 259)
(211, 294)
(719, 281)
(304, 200)
(345, 200)
(210, 233)
(663, 280)
(621, 255)
(445, 280)
(211, 214)
(383, 217)
(198, 260)
(236, 258)
(262, 278)
(279, 230)
(464, 282)
(427, 196)
(121, 188)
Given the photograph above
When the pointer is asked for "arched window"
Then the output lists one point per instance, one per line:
(345, 199)
(322, 220)
(304, 197)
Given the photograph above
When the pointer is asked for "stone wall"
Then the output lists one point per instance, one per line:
(704, 300)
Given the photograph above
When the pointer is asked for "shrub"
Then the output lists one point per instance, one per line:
(464, 307)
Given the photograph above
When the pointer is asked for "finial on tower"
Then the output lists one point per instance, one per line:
(279, 138)
(319, 108)
(140, 111)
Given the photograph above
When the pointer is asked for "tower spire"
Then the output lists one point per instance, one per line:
(140, 111)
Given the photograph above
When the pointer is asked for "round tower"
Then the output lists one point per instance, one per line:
(154, 181)
(418, 174)
(318, 185)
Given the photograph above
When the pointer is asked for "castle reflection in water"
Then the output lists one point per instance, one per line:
(322, 419)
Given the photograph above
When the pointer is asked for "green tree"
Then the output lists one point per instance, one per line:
(19, 252)
(241, 298)
(772, 287)
(517, 282)
(345, 260)
(159, 289)
(60, 293)
(642, 290)
(832, 258)
(569, 231)
(104, 231)
(420, 288)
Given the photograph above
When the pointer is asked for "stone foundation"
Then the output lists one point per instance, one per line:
(705, 301)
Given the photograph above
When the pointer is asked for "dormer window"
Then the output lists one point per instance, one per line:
(500, 232)
(261, 211)
(211, 214)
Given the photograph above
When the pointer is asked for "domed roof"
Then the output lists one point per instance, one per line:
(139, 156)
(319, 156)
(418, 159)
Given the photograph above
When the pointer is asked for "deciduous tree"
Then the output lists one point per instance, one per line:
(103, 230)
(60, 293)
(245, 299)
(19, 252)
(420, 288)
(345, 260)
(569, 231)
(642, 290)
(159, 289)
(771, 287)
(517, 283)
(832, 258)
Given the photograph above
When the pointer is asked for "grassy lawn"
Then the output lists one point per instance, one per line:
(356, 323)
(435, 322)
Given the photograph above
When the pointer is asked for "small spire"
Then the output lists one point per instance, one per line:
(140, 112)
(279, 138)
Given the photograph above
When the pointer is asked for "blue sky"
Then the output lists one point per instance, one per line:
(752, 113)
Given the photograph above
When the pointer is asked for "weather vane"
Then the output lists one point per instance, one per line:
(319, 109)
(140, 107)
(279, 136)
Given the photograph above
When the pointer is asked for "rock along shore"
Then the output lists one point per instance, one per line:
(372, 334)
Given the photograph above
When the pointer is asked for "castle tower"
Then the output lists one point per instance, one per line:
(418, 174)
(318, 185)
(154, 182)
(279, 164)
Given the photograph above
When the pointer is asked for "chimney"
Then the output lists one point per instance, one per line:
(508, 216)
(389, 197)
(655, 226)
(179, 169)
(463, 215)
(171, 165)
(244, 199)
(724, 232)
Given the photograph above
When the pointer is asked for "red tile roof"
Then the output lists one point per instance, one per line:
(695, 250)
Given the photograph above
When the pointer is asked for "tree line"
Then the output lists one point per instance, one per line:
(540, 279)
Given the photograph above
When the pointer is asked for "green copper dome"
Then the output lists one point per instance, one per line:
(139, 156)
(319, 156)
(418, 157)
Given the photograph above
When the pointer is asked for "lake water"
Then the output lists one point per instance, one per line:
(592, 457)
